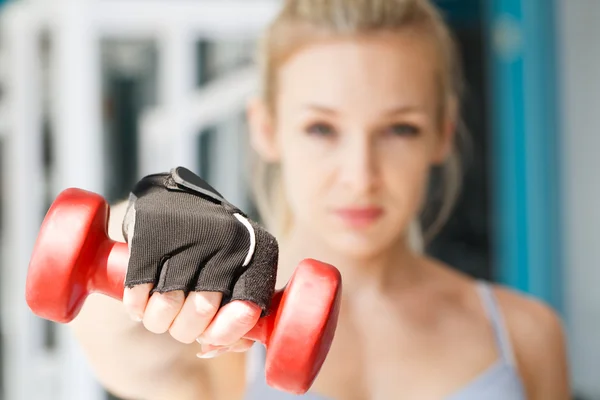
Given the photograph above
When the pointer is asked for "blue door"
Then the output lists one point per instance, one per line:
(524, 120)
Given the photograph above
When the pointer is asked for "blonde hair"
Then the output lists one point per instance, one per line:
(301, 22)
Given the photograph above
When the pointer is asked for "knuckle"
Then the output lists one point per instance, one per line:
(135, 300)
(169, 300)
(247, 315)
(203, 308)
(135, 304)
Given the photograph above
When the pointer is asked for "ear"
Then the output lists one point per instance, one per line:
(263, 137)
(448, 134)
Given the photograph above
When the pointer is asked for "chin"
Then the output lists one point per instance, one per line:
(358, 240)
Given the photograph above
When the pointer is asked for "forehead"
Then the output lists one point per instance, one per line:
(373, 70)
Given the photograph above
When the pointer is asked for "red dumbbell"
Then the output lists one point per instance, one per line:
(73, 257)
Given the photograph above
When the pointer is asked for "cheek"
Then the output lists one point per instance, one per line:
(405, 177)
(302, 177)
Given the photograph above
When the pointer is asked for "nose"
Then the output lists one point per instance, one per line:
(358, 165)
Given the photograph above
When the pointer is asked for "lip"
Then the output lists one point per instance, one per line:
(359, 216)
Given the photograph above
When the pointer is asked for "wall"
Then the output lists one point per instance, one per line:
(579, 32)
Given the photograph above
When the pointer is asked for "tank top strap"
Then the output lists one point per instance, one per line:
(496, 318)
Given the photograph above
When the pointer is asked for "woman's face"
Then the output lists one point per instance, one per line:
(356, 130)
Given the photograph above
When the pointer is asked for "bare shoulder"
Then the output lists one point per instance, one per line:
(538, 339)
(526, 314)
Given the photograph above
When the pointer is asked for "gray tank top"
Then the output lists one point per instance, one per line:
(500, 381)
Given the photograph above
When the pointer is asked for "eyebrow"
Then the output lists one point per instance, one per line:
(392, 111)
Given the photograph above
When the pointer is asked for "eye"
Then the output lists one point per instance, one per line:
(404, 130)
(320, 129)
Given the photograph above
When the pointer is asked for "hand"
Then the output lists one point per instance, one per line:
(198, 268)
(195, 317)
(74, 257)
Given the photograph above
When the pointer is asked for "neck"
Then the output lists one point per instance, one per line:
(394, 267)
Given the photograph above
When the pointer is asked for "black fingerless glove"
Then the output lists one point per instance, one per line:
(183, 235)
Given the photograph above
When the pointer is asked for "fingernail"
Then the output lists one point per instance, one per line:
(211, 354)
(207, 348)
(238, 348)
(241, 347)
(200, 340)
(136, 317)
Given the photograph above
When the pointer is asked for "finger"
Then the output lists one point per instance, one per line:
(196, 314)
(241, 345)
(161, 310)
(135, 300)
(231, 323)
(211, 351)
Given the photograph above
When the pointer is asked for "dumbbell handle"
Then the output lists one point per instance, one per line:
(108, 275)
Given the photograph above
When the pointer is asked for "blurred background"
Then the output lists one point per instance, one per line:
(97, 93)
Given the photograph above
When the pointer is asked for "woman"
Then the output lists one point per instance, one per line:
(359, 102)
